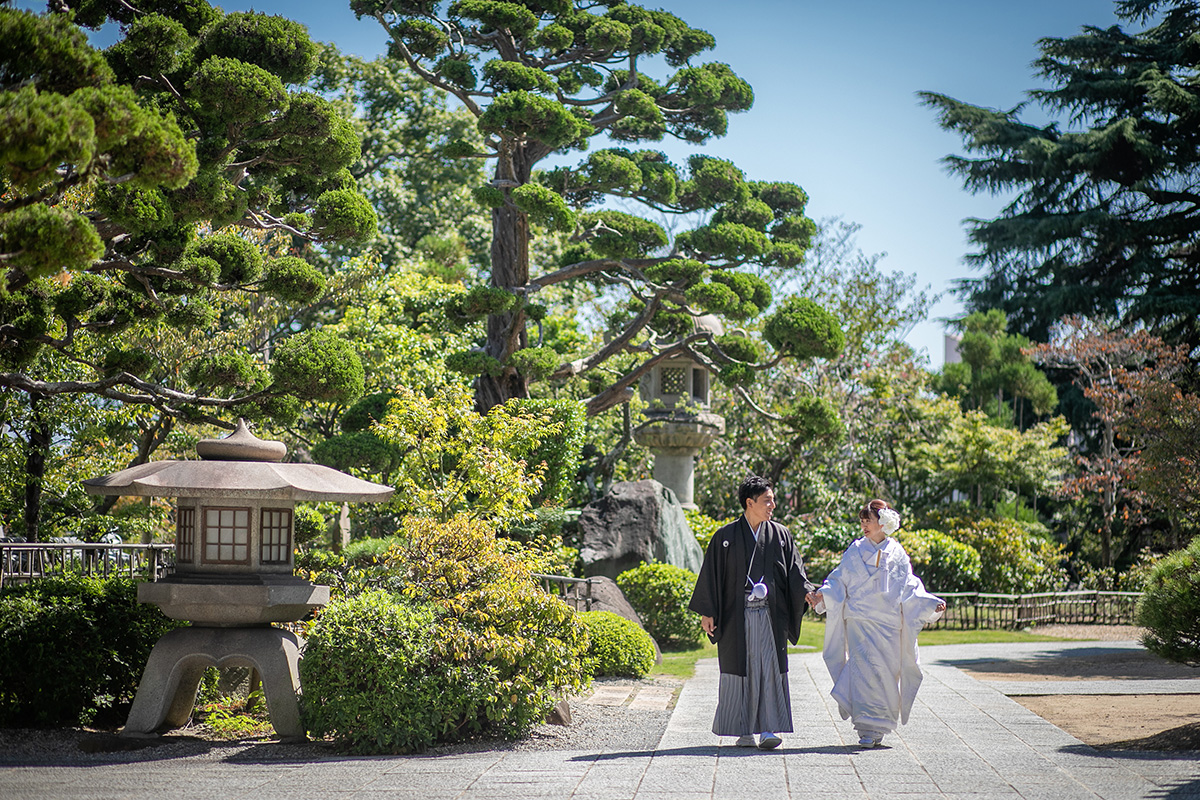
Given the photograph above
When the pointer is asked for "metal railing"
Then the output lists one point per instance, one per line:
(974, 610)
(21, 562)
(561, 586)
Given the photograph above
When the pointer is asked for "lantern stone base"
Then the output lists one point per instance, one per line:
(219, 601)
(167, 692)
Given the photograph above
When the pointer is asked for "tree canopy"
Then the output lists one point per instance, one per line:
(155, 198)
(545, 77)
(1106, 209)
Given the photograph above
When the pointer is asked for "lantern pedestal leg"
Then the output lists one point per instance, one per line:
(167, 692)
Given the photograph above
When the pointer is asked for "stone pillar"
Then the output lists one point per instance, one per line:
(676, 440)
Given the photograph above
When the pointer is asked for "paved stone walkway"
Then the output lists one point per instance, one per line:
(965, 740)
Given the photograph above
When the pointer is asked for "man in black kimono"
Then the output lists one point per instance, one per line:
(750, 595)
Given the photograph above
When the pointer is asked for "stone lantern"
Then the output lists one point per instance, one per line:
(233, 572)
(678, 423)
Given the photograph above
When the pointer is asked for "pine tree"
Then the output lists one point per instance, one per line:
(1106, 210)
(545, 77)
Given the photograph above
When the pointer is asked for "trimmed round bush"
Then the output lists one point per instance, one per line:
(1169, 609)
(373, 682)
(660, 594)
(943, 563)
(616, 646)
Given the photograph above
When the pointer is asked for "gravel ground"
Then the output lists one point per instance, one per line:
(593, 728)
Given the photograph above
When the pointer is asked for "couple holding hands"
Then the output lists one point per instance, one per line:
(752, 592)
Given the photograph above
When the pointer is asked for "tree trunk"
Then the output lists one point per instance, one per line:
(41, 432)
(510, 270)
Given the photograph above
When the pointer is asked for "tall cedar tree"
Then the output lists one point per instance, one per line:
(1107, 210)
(545, 77)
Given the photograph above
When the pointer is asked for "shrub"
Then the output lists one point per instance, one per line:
(616, 646)
(499, 651)
(944, 564)
(374, 682)
(822, 548)
(1169, 609)
(74, 650)
(660, 594)
(703, 526)
(1015, 557)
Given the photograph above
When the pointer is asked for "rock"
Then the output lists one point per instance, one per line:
(560, 714)
(636, 522)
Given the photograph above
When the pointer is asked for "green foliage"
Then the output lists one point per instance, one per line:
(491, 466)
(308, 525)
(942, 562)
(553, 76)
(529, 115)
(802, 328)
(24, 231)
(1089, 230)
(293, 280)
(474, 648)
(537, 363)
(473, 362)
(544, 206)
(1170, 608)
(370, 681)
(1015, 558)
(477, 302)
(73, 650)
(660, 594)
(616, 646)
(318, 364)
(994, 366)
(621, 235)
(122, 170)
(703, 526)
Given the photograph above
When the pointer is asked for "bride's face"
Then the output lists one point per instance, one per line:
(871, 528)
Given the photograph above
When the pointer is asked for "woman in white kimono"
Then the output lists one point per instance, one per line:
(875, 607)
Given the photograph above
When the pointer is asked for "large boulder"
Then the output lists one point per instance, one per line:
(636, 522)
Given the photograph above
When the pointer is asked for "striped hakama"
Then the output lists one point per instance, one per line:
(760, 701)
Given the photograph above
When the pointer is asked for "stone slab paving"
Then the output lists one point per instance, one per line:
(965, 740)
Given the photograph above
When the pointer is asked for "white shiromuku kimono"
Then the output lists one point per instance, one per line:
(875, 607)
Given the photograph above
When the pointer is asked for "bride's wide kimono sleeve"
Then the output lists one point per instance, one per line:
(918, 607)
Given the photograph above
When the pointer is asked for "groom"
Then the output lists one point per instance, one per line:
(750, 595)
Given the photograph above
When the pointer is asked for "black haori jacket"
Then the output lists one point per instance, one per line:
(721, 589)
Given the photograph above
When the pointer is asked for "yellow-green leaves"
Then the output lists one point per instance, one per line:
(458, 461)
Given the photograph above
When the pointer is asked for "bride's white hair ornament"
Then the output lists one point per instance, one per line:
(889, 520)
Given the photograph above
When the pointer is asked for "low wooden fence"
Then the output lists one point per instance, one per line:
(576, 592)
(974, 610)
(21, 562)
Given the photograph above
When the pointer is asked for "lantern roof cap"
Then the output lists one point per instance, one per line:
(240, 466)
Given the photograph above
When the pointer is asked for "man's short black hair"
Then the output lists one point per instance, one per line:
(752, 488)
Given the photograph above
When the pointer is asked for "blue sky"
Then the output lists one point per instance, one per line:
(835, 107)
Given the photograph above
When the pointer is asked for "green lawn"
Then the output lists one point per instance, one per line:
(682, 663)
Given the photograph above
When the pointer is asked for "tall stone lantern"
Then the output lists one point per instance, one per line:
(678, 421)
(233, 572)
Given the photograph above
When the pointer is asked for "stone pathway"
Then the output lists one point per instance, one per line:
(655, 698)
(965, 741)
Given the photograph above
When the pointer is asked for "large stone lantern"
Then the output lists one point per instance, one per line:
(234, 572)
(678, 423)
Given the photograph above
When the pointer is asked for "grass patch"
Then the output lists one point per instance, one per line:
(682, 663)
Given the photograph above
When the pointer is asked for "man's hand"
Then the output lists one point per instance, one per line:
(708, 624)
(813, 598)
